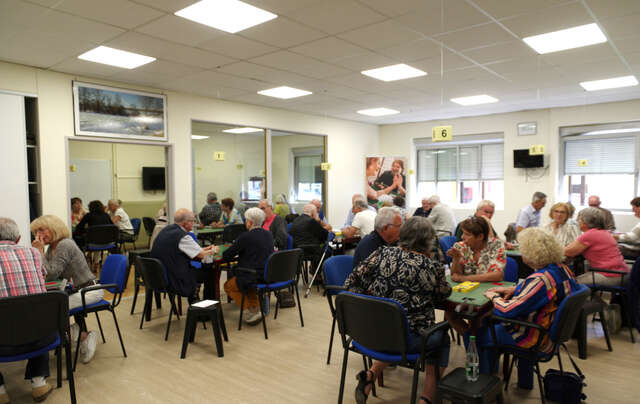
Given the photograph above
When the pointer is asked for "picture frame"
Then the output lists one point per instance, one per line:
(119, 113)
(527, 128)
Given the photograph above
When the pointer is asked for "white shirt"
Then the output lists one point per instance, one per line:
(124, 223)
(189, 246)
(364, 221)
(442, 219)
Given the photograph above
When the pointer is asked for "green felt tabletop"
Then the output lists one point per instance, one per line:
(476, 296)
(223, 248)
(207, 230)
(515, 251)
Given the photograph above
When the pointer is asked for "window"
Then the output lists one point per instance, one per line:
(601, 161)
(308, 175)
(464, 173)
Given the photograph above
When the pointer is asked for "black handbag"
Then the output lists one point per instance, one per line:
(564, 387)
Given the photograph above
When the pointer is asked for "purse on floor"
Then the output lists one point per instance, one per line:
(565, 387)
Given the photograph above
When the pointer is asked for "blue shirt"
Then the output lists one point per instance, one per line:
(528, 217)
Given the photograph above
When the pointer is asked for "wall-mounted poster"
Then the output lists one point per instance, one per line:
(114, 112)
(385, 176)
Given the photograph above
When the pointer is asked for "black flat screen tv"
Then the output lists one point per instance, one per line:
(153, 178)
(522, 159)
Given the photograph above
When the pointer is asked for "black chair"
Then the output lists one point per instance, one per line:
(561, 330)
(37, 318)
(113, 278)
(231, 232)
(131, 238)
(377, 328)
(279, 273)
(149, 224)
(101, 238)
(155, 280)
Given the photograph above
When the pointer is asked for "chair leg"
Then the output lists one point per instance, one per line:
(275, 315)
(59, 366)
(148, 302)
(540, 383)
(506, 380)
(343, 374)
(299, 306)
(115, 321)
(333, 329)
(72, 387)
(414, 385)
(172, 309)
(100, 327)
(264, 320)
(626, 307)
(75, 359)
(136, 289)
(241, 311)
(223, 327)
(215, 327)
(606, 330)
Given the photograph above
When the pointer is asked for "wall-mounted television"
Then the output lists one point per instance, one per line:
(522, 159)
(153, 178)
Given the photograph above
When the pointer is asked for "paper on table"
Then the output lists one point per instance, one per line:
(205, 303)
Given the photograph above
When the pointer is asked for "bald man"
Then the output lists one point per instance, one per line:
(609, 223)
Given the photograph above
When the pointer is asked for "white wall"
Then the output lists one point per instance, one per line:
(398, 140)
(347, 141)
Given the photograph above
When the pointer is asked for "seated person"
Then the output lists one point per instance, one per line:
(229, 214)
(441, 217)
(175, 248)
(535, 300)
(282, 207)
(385, 201)
(399, 203)
(64, 260)
(486, 209)
(210, 212)
(96, 216)
(363, 221)
(77, 211)
(252, 249)
(351, 214)
(386, 233)
(423, 210)
(560, 227)
(275, 224)
(308, 233)
(407, 274)
(120, 218)
(629, 242)
(599, 247)
(323, 220)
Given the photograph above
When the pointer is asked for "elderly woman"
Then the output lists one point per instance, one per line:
(535, 300)
(229, 214)
(629, 242)
(96, 216)
(77, 211)
(599, 248)
(120, 218)
(252, 249)
(560, 227)
(408, 275)
(64, 260)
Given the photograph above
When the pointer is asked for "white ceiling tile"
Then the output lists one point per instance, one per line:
(168, 5)
(414, 50)
(381, 35)
(335, 16)
(602, 69)
(178, 29)
(604, 9)
(85, 68)
(429, 20)
(500, 52)
(501, 9)
(46, 3)
(328, 49)
(365, 61)
(523, 64)
(169, 69)
(548, 20)
(121, 13)
(137, 76)
(361, 82)
(396, 7)
(266, 74)
(23, 14)
(622, 27)
(282, 32)
(213, 80)
(580, 55)
(433, 65)
(29, 55)
(295, 63)
(236, 46)
(258, 99)
(329, 88)
(482, 35)
(211, 90)
(628, 45)
(281, 6)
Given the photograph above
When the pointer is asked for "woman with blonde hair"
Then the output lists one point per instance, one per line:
(560, 227)
(64, 260)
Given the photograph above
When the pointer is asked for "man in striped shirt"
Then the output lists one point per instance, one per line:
(22, 273)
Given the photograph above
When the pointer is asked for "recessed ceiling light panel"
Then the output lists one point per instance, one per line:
(474, 100)
(378, 111)
(116, 57)
(284, 92)
(227, 15)
(199, 137)
(616, 82)
(564, 39)
(394, 72)
(242, 130)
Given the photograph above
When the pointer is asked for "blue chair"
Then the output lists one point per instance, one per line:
(279, 273)
(289, 242)
(52, 313)
(113, 278)
(289, 227)
(511, 270)
(136, 223)
(377, 328)
(195, 264)
(446, 242)
(336, 271)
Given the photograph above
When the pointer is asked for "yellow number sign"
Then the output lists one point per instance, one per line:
(442, 134)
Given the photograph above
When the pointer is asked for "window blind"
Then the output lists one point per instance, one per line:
(426, 165)
(599, 156)
(447, 164)
(469, 163)
(492, 162)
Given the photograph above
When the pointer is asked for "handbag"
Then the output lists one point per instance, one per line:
(564, 387)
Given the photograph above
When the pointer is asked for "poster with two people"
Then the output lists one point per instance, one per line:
(385, 176)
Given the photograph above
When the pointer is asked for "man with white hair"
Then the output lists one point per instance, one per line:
(363, 222)
(441, 217)
(22, 273)
(529, 216)
(212, 211)
(386, 232)
(609, 223)
(307, 229)
(424, 210)
(323, 220)
(351, 213)
(484, 209)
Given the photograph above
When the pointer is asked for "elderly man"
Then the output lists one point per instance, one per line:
(308, 233)
(609, 223)
(323, 220)
(274, 223)
(22, 273)
(424, 210)
(387, 230)
(212, 211)
(176, 248)
(351, 213)
(441, 217)
(484, 209)
(363, 222)
(529, 216)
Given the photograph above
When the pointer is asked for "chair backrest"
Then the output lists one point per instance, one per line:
(446, 242)
(149, 224)
(33, 317)
(153, 273)
(376, 323)
(193, 236)
(231, 232)
(114, 270)
(511, 270)
(336, 271)
(289, 226)
(135, 222)
(102, 235)
(289, 242)
(282, 265)
(567, 315)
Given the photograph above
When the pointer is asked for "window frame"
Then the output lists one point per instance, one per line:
(294, 176)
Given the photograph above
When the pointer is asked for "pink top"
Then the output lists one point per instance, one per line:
(602, 251)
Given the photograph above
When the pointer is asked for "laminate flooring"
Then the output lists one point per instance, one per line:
(289, 367)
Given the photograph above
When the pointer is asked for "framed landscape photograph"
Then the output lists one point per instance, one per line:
(114, 112)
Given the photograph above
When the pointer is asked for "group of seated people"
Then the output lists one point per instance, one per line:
(99, 214)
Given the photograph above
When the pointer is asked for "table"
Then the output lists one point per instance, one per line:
(473, 303)
(208, 233)
(217, 263)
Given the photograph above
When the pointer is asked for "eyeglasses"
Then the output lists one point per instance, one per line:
(561, 211)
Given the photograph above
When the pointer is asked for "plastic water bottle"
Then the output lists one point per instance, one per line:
(473, 361)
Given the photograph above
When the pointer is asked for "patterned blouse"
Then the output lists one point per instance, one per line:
(414, 280)
(566, 234)
(492, 257)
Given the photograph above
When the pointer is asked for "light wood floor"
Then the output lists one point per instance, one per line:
(290, 367)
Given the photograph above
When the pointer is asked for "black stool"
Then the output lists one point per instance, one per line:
(211, 313)
(595, 305)
(455, 387)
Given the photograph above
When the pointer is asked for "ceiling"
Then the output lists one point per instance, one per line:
(467, 47)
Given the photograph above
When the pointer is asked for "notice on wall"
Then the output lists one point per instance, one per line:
(325, 166)
(218, 156)
(583, 163)
(536, 149)
(442, 134)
